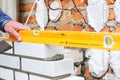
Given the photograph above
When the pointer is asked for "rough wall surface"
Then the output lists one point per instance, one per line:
(70, 19)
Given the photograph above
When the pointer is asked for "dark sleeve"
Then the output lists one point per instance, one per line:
(4, 18)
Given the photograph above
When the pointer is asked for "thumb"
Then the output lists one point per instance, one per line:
(16, 36)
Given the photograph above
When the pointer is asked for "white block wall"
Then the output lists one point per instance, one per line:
(23, 62)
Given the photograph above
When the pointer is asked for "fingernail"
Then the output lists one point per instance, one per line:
(19, 39)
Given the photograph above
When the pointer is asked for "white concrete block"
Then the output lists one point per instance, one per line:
(73, 78)
(6, 74)
(32, 77)
(74, 54)
(9, 61)
(37, 50)
(20, 76)
(48, 68)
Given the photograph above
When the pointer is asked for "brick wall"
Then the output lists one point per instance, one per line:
(70, 19)
(23, 61)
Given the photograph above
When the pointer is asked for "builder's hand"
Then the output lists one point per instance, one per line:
(12, 27)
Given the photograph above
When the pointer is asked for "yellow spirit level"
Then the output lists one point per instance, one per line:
(99, 40)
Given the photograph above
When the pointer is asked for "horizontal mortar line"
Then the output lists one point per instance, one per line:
(36, 74)
(21, 56)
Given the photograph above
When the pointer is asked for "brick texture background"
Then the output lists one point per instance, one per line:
(70, 19)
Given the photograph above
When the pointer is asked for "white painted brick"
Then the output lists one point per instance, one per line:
(73, 78)
(11, 50)
(32, 77)
(20, 76)
(9, 61)
(37, 50)
(48, 68)
(6, 74)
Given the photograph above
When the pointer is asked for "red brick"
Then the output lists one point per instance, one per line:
(65, 2)
(111, 14)
(80, 2)
(76, 15)
(106, 29)
(110, 2)
(65, 27)
(78, 27)
(31, 20)
(35, 28)
(117, 28)
(66, 16)
(26, 7)
(89, 29)
(87, 74)
(70, 27)
(49, 28)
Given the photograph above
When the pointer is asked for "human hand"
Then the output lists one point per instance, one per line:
(12, 27)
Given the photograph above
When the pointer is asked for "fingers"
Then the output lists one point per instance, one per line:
(16, 35)
(15, 32)
(12, 27)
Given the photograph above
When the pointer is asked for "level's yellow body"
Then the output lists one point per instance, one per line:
(100, 40)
